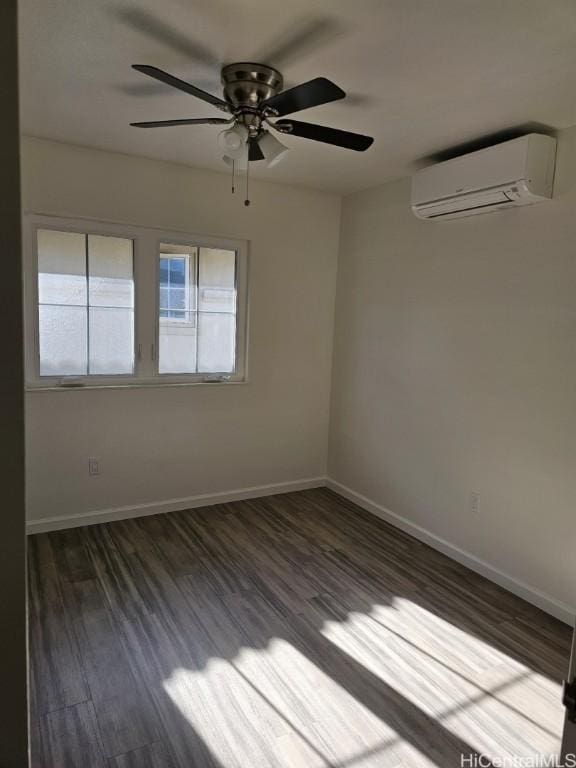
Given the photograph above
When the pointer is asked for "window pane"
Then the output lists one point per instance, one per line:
(178, 344)
(111, 340)
(177, 332)
(177, 297)
(216, 342)
(175, 289)
(217, 278)
(61, 267)
(164, 301)
(173, 314)
(177, 271)
(164, 272)
(62, 296)
(111, 279)
(63, 340)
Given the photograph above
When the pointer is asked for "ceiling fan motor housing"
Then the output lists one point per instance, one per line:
(247, 84)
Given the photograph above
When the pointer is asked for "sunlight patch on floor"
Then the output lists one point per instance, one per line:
(408, 659)
(477, 692)
(299, 717)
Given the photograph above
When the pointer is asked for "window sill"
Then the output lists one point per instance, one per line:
(131, 385)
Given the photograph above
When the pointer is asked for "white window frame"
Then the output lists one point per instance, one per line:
(146, 255)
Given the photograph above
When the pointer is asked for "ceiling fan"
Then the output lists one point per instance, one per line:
(254, 100)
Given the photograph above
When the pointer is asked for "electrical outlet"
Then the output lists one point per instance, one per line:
(94, 466)
(475, 502)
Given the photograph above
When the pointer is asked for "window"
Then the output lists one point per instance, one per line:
(95, 294)
(85, 304)
(197, 317)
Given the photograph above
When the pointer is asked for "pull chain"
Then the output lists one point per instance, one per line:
(232, 175)
(247, 201)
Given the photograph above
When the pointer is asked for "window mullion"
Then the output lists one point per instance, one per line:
(86, 256)
(197, 302)
(168, 287)
(146, 304)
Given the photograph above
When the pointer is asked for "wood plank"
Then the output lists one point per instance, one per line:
(123, 708)
(151, 756)
(70, 555)
(58, 679)
(71, 738)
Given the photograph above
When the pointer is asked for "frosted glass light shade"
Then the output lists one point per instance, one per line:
(240, 160)
(232, 141)
(272, 149)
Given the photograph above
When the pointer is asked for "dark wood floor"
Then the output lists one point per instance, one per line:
(291, 631)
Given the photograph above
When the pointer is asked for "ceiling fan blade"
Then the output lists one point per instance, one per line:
(345, 139)
(166, 34)
(190, 121)
(303, 37)
(145, 88)
(181, 85)
(310, 94)
(254, 151)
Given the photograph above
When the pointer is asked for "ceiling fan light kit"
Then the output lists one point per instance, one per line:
(254, 100)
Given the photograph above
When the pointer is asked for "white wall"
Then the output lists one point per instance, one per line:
(455, 372)
(454, 361)
(164, 443)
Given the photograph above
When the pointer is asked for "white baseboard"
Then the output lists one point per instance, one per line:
(565, 613)
(532, 595)
(171, 505)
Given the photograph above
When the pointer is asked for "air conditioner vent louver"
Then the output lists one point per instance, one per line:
(514, 173)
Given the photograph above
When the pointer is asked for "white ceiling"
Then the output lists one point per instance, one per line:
(424, 75)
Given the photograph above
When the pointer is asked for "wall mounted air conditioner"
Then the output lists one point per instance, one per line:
(516, 172)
